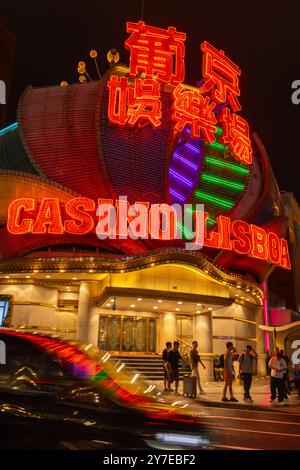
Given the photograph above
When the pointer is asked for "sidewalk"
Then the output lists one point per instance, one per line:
(260, 392)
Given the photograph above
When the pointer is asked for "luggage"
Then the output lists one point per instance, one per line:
(189, 386)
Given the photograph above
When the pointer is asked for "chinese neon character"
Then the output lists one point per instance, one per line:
(221, 76)
(236, 135)
(193, 110)
(156, 52)
(144, 103)
(118, 99)
(134, 103)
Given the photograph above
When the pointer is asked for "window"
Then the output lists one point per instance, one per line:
(4, 309)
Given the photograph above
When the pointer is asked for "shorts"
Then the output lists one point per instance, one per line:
(166, 372)
(228, 377)
(174, 376)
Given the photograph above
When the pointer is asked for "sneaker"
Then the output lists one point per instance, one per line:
(281, 403)
(272, 400)
(233, 399)
(225, 399)
(249, 400)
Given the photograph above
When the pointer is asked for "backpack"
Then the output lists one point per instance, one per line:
(221, 362)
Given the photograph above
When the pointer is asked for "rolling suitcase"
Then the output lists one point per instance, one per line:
(189, 386)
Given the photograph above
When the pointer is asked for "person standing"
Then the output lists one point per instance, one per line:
(287, 387)
(167, 381)
(246, 370)
(296, 376)
(228, 372)
(194, 361)
(174, 357)
(278, 366)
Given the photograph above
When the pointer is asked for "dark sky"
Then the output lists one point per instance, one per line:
(262, 37)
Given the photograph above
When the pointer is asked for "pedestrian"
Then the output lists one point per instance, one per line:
(277, 365)
(194, 361)
(296, 376)
(246, 370)
(228, 372)
(167, 381)
(174, 357)
(287, 388)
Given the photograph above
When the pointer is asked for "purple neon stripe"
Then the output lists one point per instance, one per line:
(195, 149)
(185, 161)
(180, 177)
(177, 195)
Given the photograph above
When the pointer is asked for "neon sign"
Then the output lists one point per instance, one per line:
(157, 58)
(117, 219)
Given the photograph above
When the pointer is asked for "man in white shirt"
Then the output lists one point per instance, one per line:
(278, 366)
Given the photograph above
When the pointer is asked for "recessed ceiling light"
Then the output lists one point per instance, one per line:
(247, 290)
(242, 297)
(74, 278)
(139, 299)
(179, 303)
(27, 277)
(7, 277)
(155, 308)
(177, 309)
(152, 264)
(108, 305)
(199, 305)
(132, 305)
(160, 301)
(238, 287)
(209, 308)
(236, 295)
(61, 270)
(122, 270)
(198, 311)
(35, 271)
(47, 276)
(91, 270)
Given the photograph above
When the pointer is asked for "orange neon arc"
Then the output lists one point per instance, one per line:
(82, 215)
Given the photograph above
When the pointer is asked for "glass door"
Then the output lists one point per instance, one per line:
(127, 334)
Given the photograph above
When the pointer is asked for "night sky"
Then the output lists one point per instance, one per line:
(262, 37)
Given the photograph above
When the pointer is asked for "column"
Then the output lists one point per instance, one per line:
(168, 329)
(260, 345)
(203, 334)
(88, 314)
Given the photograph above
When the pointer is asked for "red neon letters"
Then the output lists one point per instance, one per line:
(140, 220)
(193, 110)
(134, 103)
(156, 52)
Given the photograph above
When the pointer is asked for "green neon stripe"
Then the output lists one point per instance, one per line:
(217, 146)
(216, 201)
(222, 182)
(210, 221)
(231, 166)
(219, 131)
(185, 231)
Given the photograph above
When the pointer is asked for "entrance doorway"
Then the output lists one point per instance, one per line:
(127, 334)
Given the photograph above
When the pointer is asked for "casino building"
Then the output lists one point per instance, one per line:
(129, 296)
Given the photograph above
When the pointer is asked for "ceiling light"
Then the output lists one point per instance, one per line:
(7, 277)
(74, 278)
(198, 311)
(47, 276)
(177, 309)
(139, 299)
(27, 277)
(199, 305)
(160, 301)
(179, 303)
(155, 308)
(132, 305)
(209, 308)
(108, 305)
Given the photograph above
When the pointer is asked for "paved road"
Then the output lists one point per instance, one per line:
(250, 429)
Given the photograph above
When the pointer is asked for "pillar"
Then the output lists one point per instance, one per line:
(203, 334)
(168, 329)
(261, 360)
(88, 314)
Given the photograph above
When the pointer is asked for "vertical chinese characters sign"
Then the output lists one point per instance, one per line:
(157, 58)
